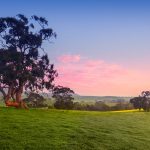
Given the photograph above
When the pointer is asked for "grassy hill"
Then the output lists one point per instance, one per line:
(73, 130)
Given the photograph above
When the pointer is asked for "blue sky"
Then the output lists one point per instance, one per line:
(115, 31)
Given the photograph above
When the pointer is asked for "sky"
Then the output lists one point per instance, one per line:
(102, 46)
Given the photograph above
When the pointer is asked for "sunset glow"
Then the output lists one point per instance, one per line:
(98, 77)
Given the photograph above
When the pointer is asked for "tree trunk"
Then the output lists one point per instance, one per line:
(18, 103)
(8, 96)
(19, 98)
(8, 102)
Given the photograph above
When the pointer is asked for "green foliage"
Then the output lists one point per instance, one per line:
(75, 130)
(23, 62)
(142, 102)
(122, 106)
(35, 100)
(63, 97)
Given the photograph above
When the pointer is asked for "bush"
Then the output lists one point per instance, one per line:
(63, 104)
(122, 106)
(34, 100)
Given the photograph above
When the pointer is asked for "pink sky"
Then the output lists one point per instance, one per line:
(87, 76)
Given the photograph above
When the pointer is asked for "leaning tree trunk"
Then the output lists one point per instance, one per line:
(7, 98)
(18, 102)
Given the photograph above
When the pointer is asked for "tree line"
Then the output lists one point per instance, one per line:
(64, 99)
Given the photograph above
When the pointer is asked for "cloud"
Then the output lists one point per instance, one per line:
(69, 58)
(97, 77)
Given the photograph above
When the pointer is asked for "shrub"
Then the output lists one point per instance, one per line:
(35, 100)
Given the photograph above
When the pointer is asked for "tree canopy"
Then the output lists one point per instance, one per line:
(142, 102)
(24, 65)
(63, 96)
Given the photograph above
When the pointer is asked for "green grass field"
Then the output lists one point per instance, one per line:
(73, 130)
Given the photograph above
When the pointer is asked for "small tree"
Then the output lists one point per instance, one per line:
(142, 102)
(24, 65)
(64, 97)
(137, 102)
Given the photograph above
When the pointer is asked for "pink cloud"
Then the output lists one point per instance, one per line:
(98, 77)
(69, 58)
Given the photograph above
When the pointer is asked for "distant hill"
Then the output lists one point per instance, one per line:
(101, 98)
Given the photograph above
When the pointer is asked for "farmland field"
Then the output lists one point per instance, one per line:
(38, 129)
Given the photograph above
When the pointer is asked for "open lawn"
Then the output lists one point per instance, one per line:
(73, 130)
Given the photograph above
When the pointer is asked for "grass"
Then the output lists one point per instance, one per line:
(73, 130)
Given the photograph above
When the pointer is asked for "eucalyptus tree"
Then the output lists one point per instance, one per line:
(24, 65)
